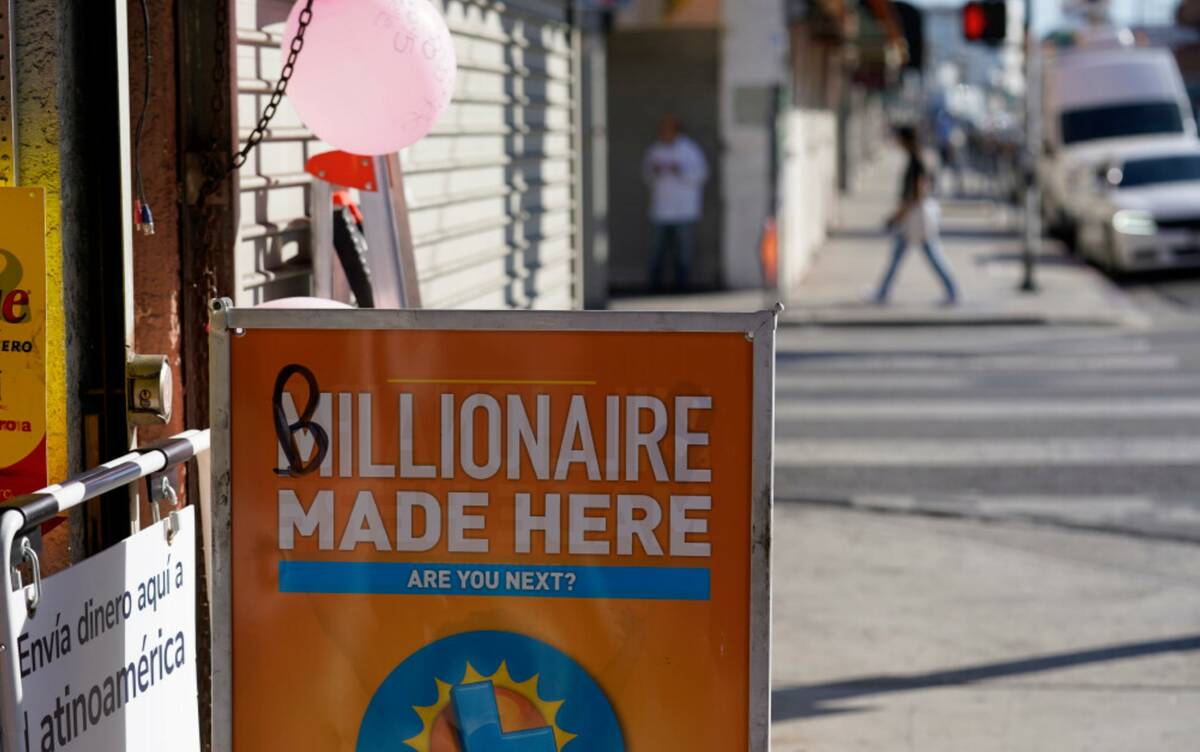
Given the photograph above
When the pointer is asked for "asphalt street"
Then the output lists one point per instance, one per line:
(1093, 426)
(987, 519)
(1170, 296)
(988, 537)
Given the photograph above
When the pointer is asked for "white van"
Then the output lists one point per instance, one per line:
(1097, 102)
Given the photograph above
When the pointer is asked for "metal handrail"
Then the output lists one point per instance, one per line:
(21, 514)
(41, 506)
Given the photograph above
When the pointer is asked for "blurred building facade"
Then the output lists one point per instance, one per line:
(719, 67)
(843, 56)
(784, 98)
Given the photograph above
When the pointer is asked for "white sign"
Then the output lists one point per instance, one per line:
(108, 660)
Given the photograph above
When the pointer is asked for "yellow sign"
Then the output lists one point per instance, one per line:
(22, 340)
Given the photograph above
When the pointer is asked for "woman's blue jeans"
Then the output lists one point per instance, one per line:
(932, 252)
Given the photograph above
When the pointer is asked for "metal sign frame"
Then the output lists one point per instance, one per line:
(758, 328)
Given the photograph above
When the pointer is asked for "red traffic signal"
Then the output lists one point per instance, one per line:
(985, 21)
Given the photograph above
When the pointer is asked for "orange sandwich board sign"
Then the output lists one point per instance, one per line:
(22, 341)
(491, 531)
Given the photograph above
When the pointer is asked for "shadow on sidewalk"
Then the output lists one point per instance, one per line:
(813, 700)
(976, 233)
(859, 233)
(1044, 258)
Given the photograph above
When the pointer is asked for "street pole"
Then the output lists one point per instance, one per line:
(1033, 140)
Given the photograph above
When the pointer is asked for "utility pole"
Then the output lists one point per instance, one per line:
(1033, 141)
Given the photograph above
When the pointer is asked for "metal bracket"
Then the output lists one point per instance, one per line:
(33, 593)
(197, 168)
(161, 490)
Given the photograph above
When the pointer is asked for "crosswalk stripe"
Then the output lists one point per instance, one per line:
(932, 409)
(1084, 506)
(1023, 363)
(986, 452)
(953, 342)
(882, 382)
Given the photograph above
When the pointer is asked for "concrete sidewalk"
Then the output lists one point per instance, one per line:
(982, 243)
(902, 633)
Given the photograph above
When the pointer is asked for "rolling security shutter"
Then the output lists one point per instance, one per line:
(491, 191)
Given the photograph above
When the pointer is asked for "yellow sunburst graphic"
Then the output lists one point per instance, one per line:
(520, 706)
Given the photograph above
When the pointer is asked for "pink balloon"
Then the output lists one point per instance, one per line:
(374, 75)
(303, 303)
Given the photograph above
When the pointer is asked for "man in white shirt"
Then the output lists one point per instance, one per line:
(675, 170)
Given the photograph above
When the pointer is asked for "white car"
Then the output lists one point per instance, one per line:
(1141, 210)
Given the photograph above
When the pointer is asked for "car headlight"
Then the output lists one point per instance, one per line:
(1129, 222)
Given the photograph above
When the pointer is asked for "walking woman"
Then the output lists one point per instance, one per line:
(916, 220)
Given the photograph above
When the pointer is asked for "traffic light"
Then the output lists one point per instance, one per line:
(985, 21)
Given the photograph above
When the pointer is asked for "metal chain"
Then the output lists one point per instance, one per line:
(218, 163)
(285, 76)
(214, 168)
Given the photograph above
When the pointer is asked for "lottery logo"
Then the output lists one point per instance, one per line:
(489, 692)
